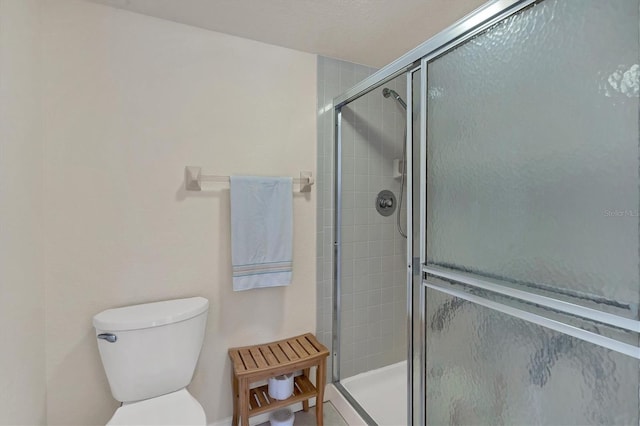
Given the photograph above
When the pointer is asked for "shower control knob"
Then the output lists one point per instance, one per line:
(385, 202)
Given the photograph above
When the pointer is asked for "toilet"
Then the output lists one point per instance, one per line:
(149, 353)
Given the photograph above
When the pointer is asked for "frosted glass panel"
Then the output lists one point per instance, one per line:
(487, 368)
(532, 152)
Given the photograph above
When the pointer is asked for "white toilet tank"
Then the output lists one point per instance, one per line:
(151, 349)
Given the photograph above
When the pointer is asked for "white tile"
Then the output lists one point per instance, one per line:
(387, 278)
(386, 312)
(348, 200)
(373, 332)
(346, 302)
(375, 233)
(388, 231)
(375, 281)
(327, 241)
(347, 251)
(361, 266)
(359, 351)
(360, 299)
(373, 317)
(375, 163)
(326, 320)
(327, 305)
(360, 316)
(375, 248)
(374, 297)
(374, 216)
(361, 183)
(387, 263)
(362, 214)
(360, 334)
(346, 369)
(399, 294)
(348, 165)
(327, 215)
(347, 285)
(348, 182)
(386, 295)
(347, 268)
(376, 184)
(375, 267)
(360, 250)
(347, 76)
(386, 330)
(347, 348)
(361, 233)
(348, 216)
(347, 319)
(362, 200)
(362, 165)
(319, 274)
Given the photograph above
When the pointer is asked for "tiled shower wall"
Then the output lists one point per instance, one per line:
(334, 77)
(373, 284)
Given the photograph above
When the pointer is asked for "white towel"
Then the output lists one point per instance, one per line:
(261, 231)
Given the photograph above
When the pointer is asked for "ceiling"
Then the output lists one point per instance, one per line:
(369, 32)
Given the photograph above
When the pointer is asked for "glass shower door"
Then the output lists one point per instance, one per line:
(531, 262)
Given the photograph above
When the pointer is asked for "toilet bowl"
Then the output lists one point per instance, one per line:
(149, 353)
(176, 408)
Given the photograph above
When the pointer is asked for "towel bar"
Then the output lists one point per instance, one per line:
(193, 179)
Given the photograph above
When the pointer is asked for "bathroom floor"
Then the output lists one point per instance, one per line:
(331, 417)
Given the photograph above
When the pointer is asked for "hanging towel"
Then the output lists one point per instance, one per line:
(261, 231)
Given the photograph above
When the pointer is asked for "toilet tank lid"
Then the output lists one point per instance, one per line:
(150, 314)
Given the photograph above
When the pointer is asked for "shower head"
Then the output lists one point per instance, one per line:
(386, 92)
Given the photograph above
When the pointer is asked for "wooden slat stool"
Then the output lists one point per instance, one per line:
(260, 362)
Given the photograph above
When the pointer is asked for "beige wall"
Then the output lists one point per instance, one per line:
(22, 351)
(128, 102)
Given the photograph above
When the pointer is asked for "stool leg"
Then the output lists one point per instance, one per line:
(243, 391)
(305, 403)
(234, 386)
(320, 379)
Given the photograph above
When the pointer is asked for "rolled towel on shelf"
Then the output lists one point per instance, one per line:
(281, 387)
(282, 417)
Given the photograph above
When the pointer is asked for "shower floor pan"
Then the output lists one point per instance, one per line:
(382, 393)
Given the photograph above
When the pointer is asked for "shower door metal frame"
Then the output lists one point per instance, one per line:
(414, 61)
(337, 270)
(473, 281)
(413, 246)
(494, 286)
(415, 322)
(468, 26)
(337, 265)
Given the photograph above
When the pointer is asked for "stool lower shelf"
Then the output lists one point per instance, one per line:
(260, 401)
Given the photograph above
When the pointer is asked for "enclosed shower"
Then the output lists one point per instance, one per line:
(372, 362)
(373, 291)
(506, 150)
